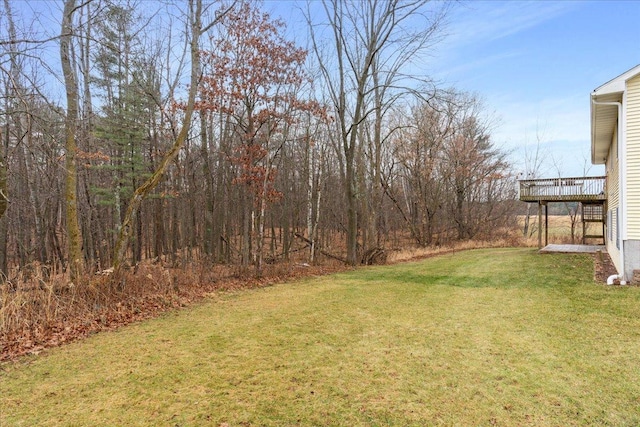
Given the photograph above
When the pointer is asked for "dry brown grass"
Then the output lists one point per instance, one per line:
(559, 230)
(42, 309)
(506, 238)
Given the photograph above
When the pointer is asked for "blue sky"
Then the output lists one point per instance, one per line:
(534, 64)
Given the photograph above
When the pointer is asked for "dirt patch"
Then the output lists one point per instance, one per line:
(603, 267)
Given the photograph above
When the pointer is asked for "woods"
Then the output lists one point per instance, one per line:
(205, 133)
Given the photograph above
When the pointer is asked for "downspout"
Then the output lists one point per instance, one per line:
(622, 188)
(611, 279)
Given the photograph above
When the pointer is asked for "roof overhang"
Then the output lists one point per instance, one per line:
(604, 117)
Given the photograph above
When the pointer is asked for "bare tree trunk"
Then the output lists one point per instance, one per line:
(527, 221)
(352, 211)
(74, 238)
(314, 180)
(207, 234)
(4, 204)
(260, 229)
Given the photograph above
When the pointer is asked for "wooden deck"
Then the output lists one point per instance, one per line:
(590, 192)
(580, 189)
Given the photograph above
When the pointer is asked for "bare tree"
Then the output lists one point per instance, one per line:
(418, 151)
(262, 164)
(533, 162)
(370, 47)
(476, 172)
(452, 183)
(572, 208)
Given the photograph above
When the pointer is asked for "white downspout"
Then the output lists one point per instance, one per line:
(611, 279)
(622, 187)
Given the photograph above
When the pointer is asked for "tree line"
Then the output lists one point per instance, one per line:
(200, 131)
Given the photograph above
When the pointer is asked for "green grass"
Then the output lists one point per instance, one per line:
(486, 337)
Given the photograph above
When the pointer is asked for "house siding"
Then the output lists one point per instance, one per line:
(633, 158)
(622, 214)
(613, 195)
(613, 202)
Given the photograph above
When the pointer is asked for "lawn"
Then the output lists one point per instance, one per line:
(484, 337)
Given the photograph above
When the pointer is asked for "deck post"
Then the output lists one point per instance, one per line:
(539, 225)
(584, 224)
(546, 224)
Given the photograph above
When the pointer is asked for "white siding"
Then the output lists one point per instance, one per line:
(633, 158)
(613, 195)
(613, 201)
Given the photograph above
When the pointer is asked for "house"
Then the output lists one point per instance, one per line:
(615, 143)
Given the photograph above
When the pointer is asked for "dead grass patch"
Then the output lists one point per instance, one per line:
(514, 239)
(36, 313)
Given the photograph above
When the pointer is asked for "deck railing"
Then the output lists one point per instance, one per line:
(563, 189)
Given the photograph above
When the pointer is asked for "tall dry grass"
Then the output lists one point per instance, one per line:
(43, 309)
(38, 311)
(507, 238)
(559, 230)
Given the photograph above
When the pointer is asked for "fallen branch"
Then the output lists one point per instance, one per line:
(374, 256)
(319, 248)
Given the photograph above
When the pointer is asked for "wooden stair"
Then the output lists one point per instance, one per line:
(593, 212)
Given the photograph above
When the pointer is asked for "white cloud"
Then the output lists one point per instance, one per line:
(468, 67)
